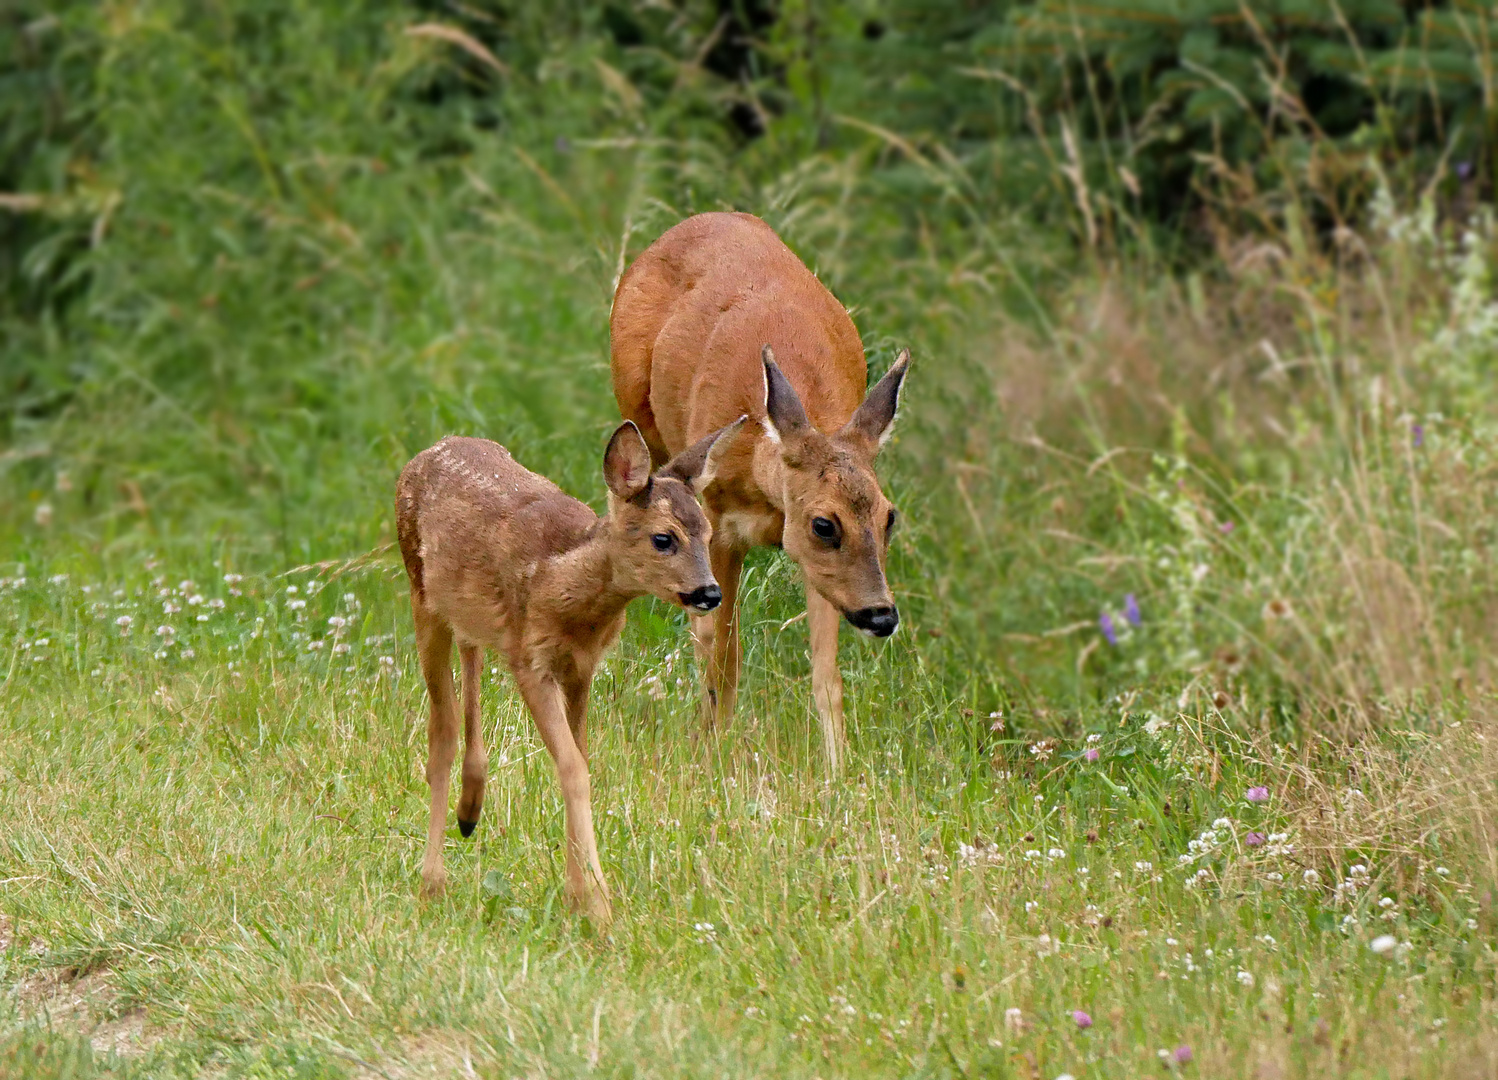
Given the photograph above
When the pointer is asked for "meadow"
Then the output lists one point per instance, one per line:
(1183, 761)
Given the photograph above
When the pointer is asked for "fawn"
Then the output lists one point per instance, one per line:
(716, 318)
(500, 557)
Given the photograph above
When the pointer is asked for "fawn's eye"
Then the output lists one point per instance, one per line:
(663, 541)
(825, 530)
(889, 525)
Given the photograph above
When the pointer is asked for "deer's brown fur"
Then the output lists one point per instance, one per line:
(499, 557)
(719, 318)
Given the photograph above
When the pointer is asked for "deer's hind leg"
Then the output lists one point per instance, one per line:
(475, 756)
(434, 643)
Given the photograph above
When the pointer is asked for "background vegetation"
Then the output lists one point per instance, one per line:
(1190, 730)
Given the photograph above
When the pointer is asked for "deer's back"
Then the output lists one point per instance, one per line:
(473, 523)
(692, 314)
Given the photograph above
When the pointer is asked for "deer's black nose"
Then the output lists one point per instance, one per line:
(703, 599)
(878, 621)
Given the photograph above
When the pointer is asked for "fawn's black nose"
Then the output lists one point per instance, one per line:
(878, 621)
(703, 599)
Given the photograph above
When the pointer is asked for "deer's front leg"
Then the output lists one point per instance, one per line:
(475, 757)
(434, 642)
(585, 885)
(719, 651)
(822, 619)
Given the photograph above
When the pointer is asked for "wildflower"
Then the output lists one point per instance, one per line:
(1042, 751)
(165, 631)
(202, 618)
(337, 622)
(1382, 944)
(169, 608)
(188, 654)
(1277, 609)
(195, 599)
(123, 622)
(43, 515)
(341, 648)
(1357, 870)
(58, 579)
(1131, 610)
(1091, 754)
(1225, 527)
(1310, 877)
(1257, 794)
(296, 605)
(1105, 623)
(315, 644)
(217, 604)
(1055, 853)
(1246, 978)
(1082, 1019)
(1471, 924)
(292, 589)
(1014, 1020)
(1417, 435)
(996, 721)
(1386, 902)
(1183, 1054)
(1030, 905)
(1442, 871)
(233, 579)
(387, 661)
(1144, 867)
(1222, 823)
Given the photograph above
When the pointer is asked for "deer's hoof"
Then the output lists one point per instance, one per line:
(467, 827)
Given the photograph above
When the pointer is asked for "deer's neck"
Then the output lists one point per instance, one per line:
(584, 583)
(769, 471)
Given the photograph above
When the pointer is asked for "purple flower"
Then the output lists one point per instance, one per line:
(1417, 435)
(1083, 1020)
(1257, 794)
(1254, 839)
(1183, 1054)
(1131, 610)
(1225, 528)
(1464, 170)
(1105, 623)
(1091, 754)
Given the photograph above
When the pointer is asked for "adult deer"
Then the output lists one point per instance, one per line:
(719, 318)
(500, 557)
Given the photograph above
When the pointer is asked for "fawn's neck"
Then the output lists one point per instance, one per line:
(584, 582)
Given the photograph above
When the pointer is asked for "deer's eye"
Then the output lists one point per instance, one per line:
(663, 541)
(825, 530)
(889, 525)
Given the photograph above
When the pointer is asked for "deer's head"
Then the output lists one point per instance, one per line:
(837, 520)
(658, 534)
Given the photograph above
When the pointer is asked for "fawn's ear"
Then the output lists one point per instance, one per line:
(784, 413)
(874, 421)
(698, 464)
(626, 463)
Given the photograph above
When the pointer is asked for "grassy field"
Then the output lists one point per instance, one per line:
(1183, 761)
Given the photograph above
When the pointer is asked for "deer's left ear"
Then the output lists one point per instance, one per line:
(697, 465)
(874, 421)
(626, 463)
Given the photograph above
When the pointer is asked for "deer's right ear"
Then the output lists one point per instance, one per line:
(697, 465)
(784, 414)
(626, 463)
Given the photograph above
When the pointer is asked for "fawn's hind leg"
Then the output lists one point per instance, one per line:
(434, 642)
(475, 757)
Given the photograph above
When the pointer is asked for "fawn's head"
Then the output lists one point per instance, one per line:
(837, 520)
(657, 533)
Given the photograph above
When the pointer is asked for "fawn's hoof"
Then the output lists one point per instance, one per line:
(433, 885)
(467, 827)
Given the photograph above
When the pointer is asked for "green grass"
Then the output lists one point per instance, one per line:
(209, 838)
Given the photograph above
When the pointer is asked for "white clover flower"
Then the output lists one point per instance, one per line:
(1310, 877)
(296, 605)
(1222, 823)
(58, 579)
(188, 654)
(1471, 924)
(1031, 905)
(165, 630)
(1246, 978)
(1275, 876)
(315, 645)
(341, 648)
(186, 585)
(1144, 867)
(387, 661)
(1357, 870)
(1013, 1018)
(123, 622)
(1382, 944)
(202, 618)
(169, 608)
(337, 622)
(217, 604)
(233, 579)
(1386, 902)
(195, 599)
(292, 589)
(1055, 853)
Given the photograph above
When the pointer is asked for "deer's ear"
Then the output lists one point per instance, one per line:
(697, 465)
(626, 463)
(874, 420)
(784, 414)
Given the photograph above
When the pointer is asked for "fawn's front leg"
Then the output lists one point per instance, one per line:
(434, 642)
(475, 757)
(585, 885)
